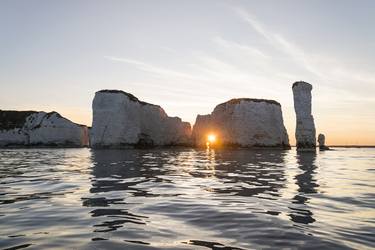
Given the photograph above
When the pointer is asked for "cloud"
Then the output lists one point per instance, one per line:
(153, 69)
(204, 72)
(251, 51)
(325, 68)
(242, 67)
(279, 42)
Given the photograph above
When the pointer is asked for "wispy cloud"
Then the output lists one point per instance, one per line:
(205, 71)
(279, 42)
(161, 71)
(325, 68)
(250, 68)
(251, 51)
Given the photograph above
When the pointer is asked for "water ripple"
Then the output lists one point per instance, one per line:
(186, 199)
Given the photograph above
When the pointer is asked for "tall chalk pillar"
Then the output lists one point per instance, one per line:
(305, 128)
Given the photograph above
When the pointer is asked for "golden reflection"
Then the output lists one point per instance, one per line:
(211, 162)
(211, 139)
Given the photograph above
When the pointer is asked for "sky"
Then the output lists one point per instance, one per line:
(189, 56)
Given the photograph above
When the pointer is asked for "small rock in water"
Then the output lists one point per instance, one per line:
(321, 141)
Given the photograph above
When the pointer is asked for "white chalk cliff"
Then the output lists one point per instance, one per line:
(121, 120)
(31, 128)
(305, 127)
(243, 122)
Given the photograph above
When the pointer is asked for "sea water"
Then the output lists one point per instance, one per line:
(187, 199)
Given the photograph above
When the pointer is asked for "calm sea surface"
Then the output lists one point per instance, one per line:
(187, 199)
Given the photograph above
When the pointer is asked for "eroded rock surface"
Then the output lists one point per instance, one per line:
(31, 128)
(243, 122)
(121, 120)
(305, 127)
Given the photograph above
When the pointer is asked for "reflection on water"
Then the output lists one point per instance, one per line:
(306, 185)
(186, 199)
(245, 173)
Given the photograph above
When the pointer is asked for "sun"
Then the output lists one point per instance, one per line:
(211, 138)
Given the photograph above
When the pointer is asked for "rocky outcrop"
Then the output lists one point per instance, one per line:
(243, 122)
(322, 141)
(305, 128)
(31, 128)
(121, 120)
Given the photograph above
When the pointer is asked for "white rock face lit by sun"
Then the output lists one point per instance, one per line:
(243, 122)
(305, 128)
(121, 120)
(31, 128)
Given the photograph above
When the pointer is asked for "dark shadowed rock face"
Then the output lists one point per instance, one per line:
(322, 142)
(10, 119)
(304, 84)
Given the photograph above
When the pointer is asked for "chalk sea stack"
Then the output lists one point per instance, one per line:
(32, 128)
(243, 122)
(121, 120)
(305, 128)
(322, 141)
